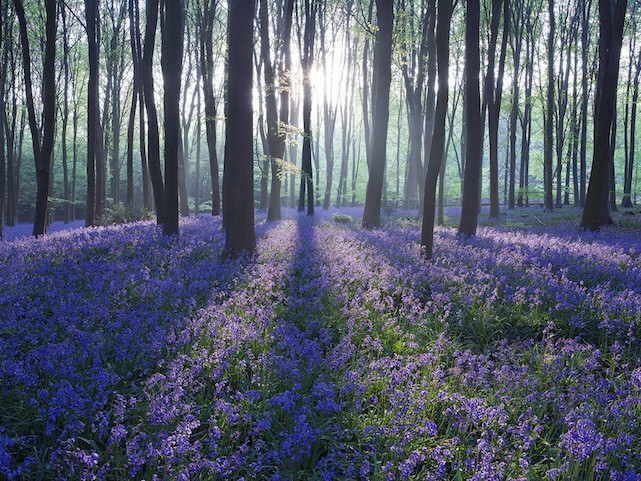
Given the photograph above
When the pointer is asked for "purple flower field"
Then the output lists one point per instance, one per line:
(335, 354)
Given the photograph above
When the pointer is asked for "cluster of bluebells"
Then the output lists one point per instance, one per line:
(335, 353)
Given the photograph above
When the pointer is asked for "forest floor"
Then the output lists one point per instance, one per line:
(336, 353)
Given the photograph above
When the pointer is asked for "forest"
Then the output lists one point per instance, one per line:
(320, 240)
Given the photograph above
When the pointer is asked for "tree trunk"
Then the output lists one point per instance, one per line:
(65, 115)
(382, 79)
(172, 61)
(585, 46)
(437, 149)
(153, 143)
(134, 103)
(49, 119)
(3, 74)
(471, 186)
(307, 60)
(549, 115)
(611, 21)
(93, 152)
(207, 68)
(493, 94)
(238, 175)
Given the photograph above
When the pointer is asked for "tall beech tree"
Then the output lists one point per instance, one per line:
(471, 181)
(65, 112)
(173, 16)
(438, 138)
(206, 15)
(93, 109)
(380, 112)
(42, 145)
(414, 54)
(153, 136)
(549, 114)
(611, 21)
(3, 77)
(330, 103)
(630, 151)
(493, 94)
(307, 61)
(276, 135)
(135, 56)
(238, 173)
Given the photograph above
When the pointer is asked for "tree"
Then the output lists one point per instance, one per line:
(493, 94)
(206, 14)
(380, 112)
(329, 111)
(65, 110)
(93, 153)
(172, 54)
(153, 143)
(414, 54)
(438, 138)
(135, 55)
(42, 146)
(471, 181)
(276, 134)
(549, 115)
(611, 21)
(307, 61)
(2, 122)
(238, 174)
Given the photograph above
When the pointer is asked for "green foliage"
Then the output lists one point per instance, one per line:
(121, 214)
(342, 218)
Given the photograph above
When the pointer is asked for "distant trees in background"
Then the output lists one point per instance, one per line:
(423, 142)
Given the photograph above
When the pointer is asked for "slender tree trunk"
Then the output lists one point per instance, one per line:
(435, 161)
(612, 188)
(10, 132)
(238, 189)
(293, 149)
(585, 46)
(65, 114)
(470, 203)
(428, 128)
(49, 119)
(74, 167)
(172, 61)
(575, 131)
(382, 79)
(307, 183)
(611, 21)
(93, 153)
(517, 46)
(153, 137)
(493, 93)
(549, 114)
(198, 142)
(627, 181)
(207, 68)
(3, 77)
(134, 104)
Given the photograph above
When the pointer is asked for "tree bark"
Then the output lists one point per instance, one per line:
(238, 175)
(307, 60)
(437, 149)
(380, 119)
(207, 69)
(611, 21)
(153, 143)
(471, 182)
(549, 115)
(494, 93)
(172, 56)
